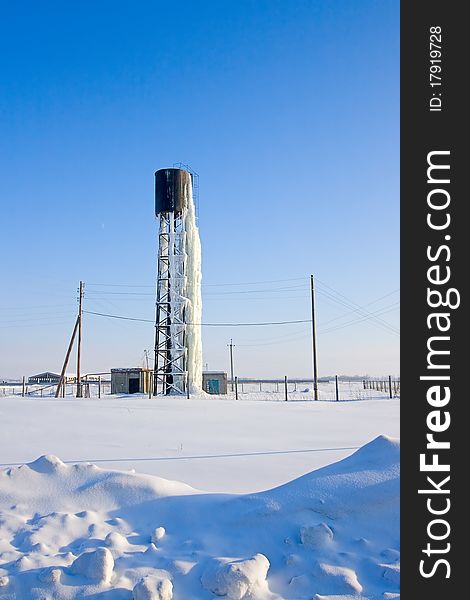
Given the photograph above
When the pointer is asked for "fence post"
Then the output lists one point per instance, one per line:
(99, 386)
(285, 387)
(242, 388)
(260, 387)
(236, 388)
(24, 379)
(336, 386)
(390, 385)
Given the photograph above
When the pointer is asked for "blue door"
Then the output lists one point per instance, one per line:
(213, 386)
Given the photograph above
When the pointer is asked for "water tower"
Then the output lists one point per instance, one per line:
(178, 352)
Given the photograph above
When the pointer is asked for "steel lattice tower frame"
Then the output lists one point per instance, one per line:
(171, 373)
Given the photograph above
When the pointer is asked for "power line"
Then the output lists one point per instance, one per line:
(332, 295)
(203, 284)
(286, 340)
(202, 324)
(352, 311)
(358, 321)
(357, 308)
(38, 317)
(90, 312)
(297, 288)
(354, 305)
(291, 337)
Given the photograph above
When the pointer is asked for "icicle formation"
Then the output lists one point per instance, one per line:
(193, 294)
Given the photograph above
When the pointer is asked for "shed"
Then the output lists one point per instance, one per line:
(214, 382)
(42, 378)
(131, 381)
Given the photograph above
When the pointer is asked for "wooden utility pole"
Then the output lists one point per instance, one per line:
(314, 342)
(231, 362)
(66, 361)
(79, 347)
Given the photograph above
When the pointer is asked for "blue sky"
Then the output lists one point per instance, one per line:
(289, 113)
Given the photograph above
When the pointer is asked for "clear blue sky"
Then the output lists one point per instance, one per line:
(289, 112)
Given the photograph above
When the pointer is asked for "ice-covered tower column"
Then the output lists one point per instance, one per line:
(178, 351)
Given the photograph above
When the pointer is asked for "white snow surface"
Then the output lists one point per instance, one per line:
(213, 443)
(78, 531)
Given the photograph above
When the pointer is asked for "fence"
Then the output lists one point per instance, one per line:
(331, 390)
(90, 389)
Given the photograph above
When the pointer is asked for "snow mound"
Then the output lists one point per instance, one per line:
(67, 531)
(96, 565)
(391, 573)
(336, 579)
(153, 588)
(338, 490)
(317, 536)
(115, 540)
(235, 579)
(50, 575)
(157, 535)
(46, 464)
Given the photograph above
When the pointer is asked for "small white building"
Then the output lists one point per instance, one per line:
(131, 381)
(214, 382)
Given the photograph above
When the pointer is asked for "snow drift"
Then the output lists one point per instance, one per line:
(77, 531)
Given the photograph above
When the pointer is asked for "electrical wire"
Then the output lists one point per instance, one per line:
(297, 288)
(352, 311)
(203, 284)
(202, 324)
(355, 321)
(353, 305)
(359, 310)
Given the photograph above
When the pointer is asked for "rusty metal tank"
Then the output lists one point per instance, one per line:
(171, 193)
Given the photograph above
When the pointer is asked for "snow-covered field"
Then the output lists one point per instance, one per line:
(82, 531)
(214, 444)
